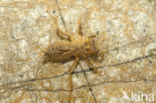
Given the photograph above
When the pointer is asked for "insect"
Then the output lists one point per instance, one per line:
(84, 48)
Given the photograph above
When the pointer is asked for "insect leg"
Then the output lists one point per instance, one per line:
(59, 32)
(79, 31)
(92, 36)
(73, 66)
(92, 66)
(64, 35)
(101, 55)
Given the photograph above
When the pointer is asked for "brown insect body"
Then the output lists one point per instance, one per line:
(67, 50)
(74, 49)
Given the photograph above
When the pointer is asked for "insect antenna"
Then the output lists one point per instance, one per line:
(60, 13)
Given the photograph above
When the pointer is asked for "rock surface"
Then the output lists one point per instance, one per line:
(126, 32)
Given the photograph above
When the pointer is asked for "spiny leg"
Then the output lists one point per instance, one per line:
(92, 36)
(101, 54)
(79, 30)
(73, 66)
(64, 35)
(99, 58)
(89, 85)
(92, 66)
(60, 33)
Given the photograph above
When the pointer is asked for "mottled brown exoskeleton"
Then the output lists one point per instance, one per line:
(83, 48)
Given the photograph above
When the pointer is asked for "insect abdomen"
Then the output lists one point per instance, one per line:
(59, 52)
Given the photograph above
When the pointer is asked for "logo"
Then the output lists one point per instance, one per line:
(138, 97)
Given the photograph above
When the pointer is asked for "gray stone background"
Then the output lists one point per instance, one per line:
(125, 29)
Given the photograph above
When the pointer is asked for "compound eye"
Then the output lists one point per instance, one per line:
(46, 54)
(87, 49)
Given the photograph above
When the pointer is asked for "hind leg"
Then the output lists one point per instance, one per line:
(73, 66)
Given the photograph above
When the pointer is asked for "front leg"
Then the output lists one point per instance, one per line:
(64, 35)
(60, 33)
(92, 66)
(79, 30)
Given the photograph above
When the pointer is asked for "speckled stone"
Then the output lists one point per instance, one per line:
(126, 33)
